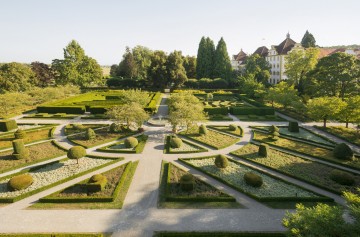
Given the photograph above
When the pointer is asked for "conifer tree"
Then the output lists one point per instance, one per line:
(205, 58)
(308, 40)
(222, 64)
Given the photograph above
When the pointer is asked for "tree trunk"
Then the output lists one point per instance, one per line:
(324, 122)
(347, 125)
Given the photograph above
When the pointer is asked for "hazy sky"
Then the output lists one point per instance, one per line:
(38, 30)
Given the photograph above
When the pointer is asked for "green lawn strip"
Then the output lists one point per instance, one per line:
(138, 149)
(347, 134)
(305, 135)
(102, 136)
(312, 172)
(25, 195)
(239, 132)
(259, 118)
(301, 148)
(56, 235)
(219, 234)
(123, 188)
(213, 139)
(37, 153)
(169, 150)
(69, 130)
(269, 188)
(78, 192)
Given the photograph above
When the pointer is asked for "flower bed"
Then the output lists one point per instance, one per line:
(187, 147)
(273, 189)
(309, 171)
(348, 134)
(238, 132)
(119, 147)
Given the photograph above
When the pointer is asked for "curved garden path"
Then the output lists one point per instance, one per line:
(140, 215)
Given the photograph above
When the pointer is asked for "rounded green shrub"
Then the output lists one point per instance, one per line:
(343, 152)
(175, 142)
(90, 134)
(342, 177)
(113, 128)
(20, 151)
(253, 179)
(293, 126)
(203, 129)
(20, 182)
(232, 127)
(96, 178)
(131, 142)
(79, 127)
(20, 134)
(263, 150)
(96, 183)
(221, 161)
(76, 152)
(187, 182)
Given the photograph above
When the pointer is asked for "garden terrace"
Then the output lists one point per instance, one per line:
(306, 149)
(312, 172)
(187, 147)
(238, 132)
(37, 153)
(119, 147)
(348, 134)
(274, 191)
(213, 138)
(203, 196)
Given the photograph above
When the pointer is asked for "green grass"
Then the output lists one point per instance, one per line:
(119, 147)
(307, 149)
(297, 167)
(238, 132)
(348, 134)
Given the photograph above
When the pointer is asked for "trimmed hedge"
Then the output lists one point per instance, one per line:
(262, 111)
(19, 134)
(203, 129)
(20, 182)
(187, 182)
(20, 152)
(221, 161)
(343, 152)
(97, 109)
(7, 125)
(96, 183)
(253, 179)
(293, 126)
(175, 142)
(168, 150)
(61, 109)
(131, 142)
(263, 150)
(220, 110)
(152, 107)
(342, 177)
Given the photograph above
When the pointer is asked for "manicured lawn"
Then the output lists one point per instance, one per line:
(307, 149)
(187, 147)
(37, 153)
(297, 167)
(213, 139)
(119, 147)
(69, 129)
(203, 196)
(237, 132)
(348, 134)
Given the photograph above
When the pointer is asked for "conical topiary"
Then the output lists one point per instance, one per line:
(263, 150)
(203, 129)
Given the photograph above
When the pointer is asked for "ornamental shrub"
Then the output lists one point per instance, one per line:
(79, 127)
(342, 177)
(113, 128)
(131, 142)
(293, 126)
(253, 179)
(90, 134)
(232, 127)
(20, 151)
(221, 161)
(187, 182)
(175, 142)
(7, 125)
(203, 129)
(96, 183)
(263, 150)
(20, 182)
(274, 132)
(76, 152)
(20, 134)
(343, 152)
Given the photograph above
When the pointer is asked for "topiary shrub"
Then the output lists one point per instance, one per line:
(293, 126)
(232, 127)
(175, 142)
(187, 182)
(274, 132)
(342, 177)
(20, 182)
(78, 127)
(7, 125)
(20, 151)
(19, 134)
(131, 142)
(253, 179)
(113, 128)
(263, 150)
(221, 161)
(76, 152)
(90, 134)
(96, 183)
(343, 152)
(203, 129)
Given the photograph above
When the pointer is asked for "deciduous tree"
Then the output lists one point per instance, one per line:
(259, 67)
(175, 68)
(350, 112)
(16, 77)
(44, 74)
(157, 71)
(132, 114)
(324, 108)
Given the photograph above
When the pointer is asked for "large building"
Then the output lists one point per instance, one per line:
(238, 61)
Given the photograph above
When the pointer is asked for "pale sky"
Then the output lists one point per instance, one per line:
(38, 30)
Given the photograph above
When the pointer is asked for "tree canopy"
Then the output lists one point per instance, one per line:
(222, 64)
(205, 58)
(308, 40)
(259, 67)
(175, 69)
(16, 77)
(324, 108)
(44, 74)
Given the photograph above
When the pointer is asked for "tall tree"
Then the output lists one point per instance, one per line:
(308, 40)
(190, 66)
(205, 58)
(251, 87)
(157, 73)
(259, 67)
(142, 57)
(133, 114)
(16, 77)
(324, 108)
(44, 73)
(76, 68)
(114, 70)
(222, 64)
(351, 111)
(128, 66)
(283, 94)
(175, 68)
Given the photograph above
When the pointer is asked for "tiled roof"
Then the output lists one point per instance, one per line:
(285, 46)
(241, 56)
(262, 51)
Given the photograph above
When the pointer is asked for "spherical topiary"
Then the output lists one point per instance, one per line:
(293, 126)
(253, 179)
(131, 142)
(113, 128)
(76, 152)
(221, 161)
(187, 182)
(232, 127)
(90, 134)
(203, 130)
(20, 134)
(263, 150)
(342, 177)
(20, 151)
(343, 152)
(20, 182)
(175, 142)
